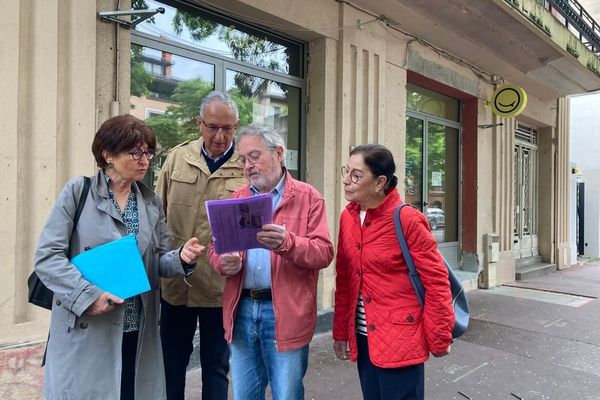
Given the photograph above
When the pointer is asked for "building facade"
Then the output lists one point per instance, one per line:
(412, 75)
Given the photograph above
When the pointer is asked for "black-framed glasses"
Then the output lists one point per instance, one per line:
(213, 129)
(354, 175)
(137, 153)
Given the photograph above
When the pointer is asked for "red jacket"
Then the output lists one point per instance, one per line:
(295, 266)
(369, 258)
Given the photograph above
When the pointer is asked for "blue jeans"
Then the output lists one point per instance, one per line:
(255, 360)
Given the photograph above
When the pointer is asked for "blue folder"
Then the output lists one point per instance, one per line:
(115, 267)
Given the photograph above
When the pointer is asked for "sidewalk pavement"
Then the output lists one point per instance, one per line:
(529, 340)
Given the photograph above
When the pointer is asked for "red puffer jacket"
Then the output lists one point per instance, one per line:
(369, 259)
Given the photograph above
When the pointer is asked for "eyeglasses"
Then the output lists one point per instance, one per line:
(213, 129)
(354, 175)
(251, 157)
(137, 153)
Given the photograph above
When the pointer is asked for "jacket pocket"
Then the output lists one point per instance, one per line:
(183, 176)
(396, 337)
(183, 189)
(406, 316)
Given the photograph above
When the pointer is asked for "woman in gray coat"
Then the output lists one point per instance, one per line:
(101, 346)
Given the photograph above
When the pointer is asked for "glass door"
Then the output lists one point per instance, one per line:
(431, 176)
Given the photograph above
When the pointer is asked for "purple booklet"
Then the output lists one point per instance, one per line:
(235, 222)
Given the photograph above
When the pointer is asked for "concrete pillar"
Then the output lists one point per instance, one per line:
(504, 143)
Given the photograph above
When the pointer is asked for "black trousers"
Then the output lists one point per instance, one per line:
(177, 329)
(128, 355)
(406, 383)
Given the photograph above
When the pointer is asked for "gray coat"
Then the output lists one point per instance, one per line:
(84, 352)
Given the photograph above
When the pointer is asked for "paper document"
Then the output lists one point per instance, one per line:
(235, 222)
(115, 267)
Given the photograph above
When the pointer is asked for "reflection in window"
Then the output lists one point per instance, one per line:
(267, 102)
(177, 58)
(227, 38)
(430, 102)
(413, 178)
(168, 97)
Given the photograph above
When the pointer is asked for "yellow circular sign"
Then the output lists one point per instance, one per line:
(508, 101)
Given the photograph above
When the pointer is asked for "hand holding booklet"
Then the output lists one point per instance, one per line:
(115, 267)
(235, 222)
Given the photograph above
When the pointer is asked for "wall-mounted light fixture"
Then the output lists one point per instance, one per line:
(112, 16)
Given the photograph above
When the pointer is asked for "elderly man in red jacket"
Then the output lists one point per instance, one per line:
(269, 306)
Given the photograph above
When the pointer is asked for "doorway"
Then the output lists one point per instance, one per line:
(580, 230)
(525, 192)
(431, 176)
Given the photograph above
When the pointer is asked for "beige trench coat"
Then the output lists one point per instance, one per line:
(84, 352)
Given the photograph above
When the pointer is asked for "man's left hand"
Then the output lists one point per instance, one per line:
(271, 235)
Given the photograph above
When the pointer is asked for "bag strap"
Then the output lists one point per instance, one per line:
(415, 279)
(82, 199)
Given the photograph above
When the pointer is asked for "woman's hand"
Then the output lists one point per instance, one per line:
(445, 353)
(230, 263)
(341, 349)
(191, 251)
(271, 235)
(103, 304)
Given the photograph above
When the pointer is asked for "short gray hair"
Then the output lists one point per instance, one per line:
(223, 97)
(270, 137)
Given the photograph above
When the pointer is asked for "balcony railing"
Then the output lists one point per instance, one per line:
(577, 20)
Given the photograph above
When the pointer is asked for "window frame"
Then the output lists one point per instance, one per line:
(222, 64)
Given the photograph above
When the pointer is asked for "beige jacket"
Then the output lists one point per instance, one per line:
(184, 183)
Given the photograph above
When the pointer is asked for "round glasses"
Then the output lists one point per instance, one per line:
(251, 157)
(354, 175)
(137, 153)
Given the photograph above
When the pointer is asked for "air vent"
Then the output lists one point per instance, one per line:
(526, 134)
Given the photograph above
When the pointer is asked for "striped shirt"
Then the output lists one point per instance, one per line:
(361, 320)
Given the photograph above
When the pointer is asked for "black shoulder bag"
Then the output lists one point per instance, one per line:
(39, 294)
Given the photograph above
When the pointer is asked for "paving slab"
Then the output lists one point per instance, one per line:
(583, 280)
(521, 344)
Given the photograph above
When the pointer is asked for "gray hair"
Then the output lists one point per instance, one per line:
(223, 97)
(270, 137)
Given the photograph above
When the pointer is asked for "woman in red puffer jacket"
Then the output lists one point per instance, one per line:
(378, 321)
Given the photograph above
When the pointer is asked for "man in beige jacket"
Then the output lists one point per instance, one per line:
(204, 169)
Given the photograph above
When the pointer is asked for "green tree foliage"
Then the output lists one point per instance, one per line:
(243, 47)
(436, 137)
(179, 122)
(140, 78)
(199, 28)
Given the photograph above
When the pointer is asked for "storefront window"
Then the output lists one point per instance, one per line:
(209, 31)
(178, 57)
(431, 171)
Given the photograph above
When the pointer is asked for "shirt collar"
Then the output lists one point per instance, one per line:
(219, 157)
(278, 190)
(107, 178)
